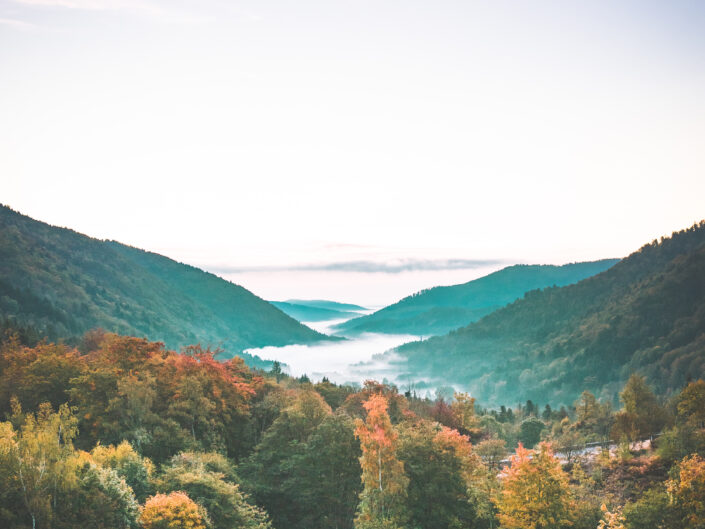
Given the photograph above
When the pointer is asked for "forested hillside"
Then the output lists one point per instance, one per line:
(121, 433)
(63, 283)
(646, 314)
(439, 310)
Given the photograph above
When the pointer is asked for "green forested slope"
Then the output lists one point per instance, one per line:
(63, 283)
(441, 309)
(645, 314)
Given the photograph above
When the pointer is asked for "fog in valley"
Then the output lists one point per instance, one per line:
(352, 360)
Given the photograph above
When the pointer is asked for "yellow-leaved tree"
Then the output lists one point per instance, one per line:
(172, 511)
(535, 493)
(611, 520)
(687, 491)
(36, 461)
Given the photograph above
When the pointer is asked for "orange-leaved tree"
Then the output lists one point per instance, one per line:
(535, 492)
(172, 511)
(381, 501)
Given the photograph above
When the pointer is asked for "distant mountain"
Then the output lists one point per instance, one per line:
(326, 304)
(316, 310)
(63, 283)
(646, 314)
(441, 309)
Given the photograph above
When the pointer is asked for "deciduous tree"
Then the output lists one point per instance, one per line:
(691, 404)
(172, 511)
(535, 492)
(687, 491)
(36, 460)
(384, 482)
(642, 415)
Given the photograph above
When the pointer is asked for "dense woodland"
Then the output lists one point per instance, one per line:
(105, 430)
(439, 310)
(645, 314)
(120, 432)
(63, 284)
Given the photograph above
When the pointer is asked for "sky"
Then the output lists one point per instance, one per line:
(356, 150)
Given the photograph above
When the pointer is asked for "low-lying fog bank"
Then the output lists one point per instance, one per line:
(337, 360)
(354, 360)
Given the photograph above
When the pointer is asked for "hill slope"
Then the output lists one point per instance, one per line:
(64, 283)
(645, 314)
(441, 309)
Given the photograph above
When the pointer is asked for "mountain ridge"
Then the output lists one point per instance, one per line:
(440, 309)
(312, 313)
(645, 314)
(65, 283)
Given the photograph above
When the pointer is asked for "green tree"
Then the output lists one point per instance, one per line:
(326, 475)
(198, 476)
(305, 471)
(691, 404)
(99, 499)
(652, 510)
(593, 419)
(491, 452)
(530, 431)
(568, 442)
(642, 415)
(440, 466)
(132, 406)
(129, 465)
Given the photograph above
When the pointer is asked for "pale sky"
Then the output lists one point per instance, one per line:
(324, 148)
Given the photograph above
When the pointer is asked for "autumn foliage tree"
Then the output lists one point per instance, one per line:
(535, 492)
(611, 520)
(463, 408)
(687, 492)
(381, 501)
(34, 461)
(172, 511)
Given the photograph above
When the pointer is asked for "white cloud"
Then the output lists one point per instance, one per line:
(395, 266)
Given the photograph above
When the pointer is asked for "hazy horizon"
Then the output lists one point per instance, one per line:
(355, 151)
